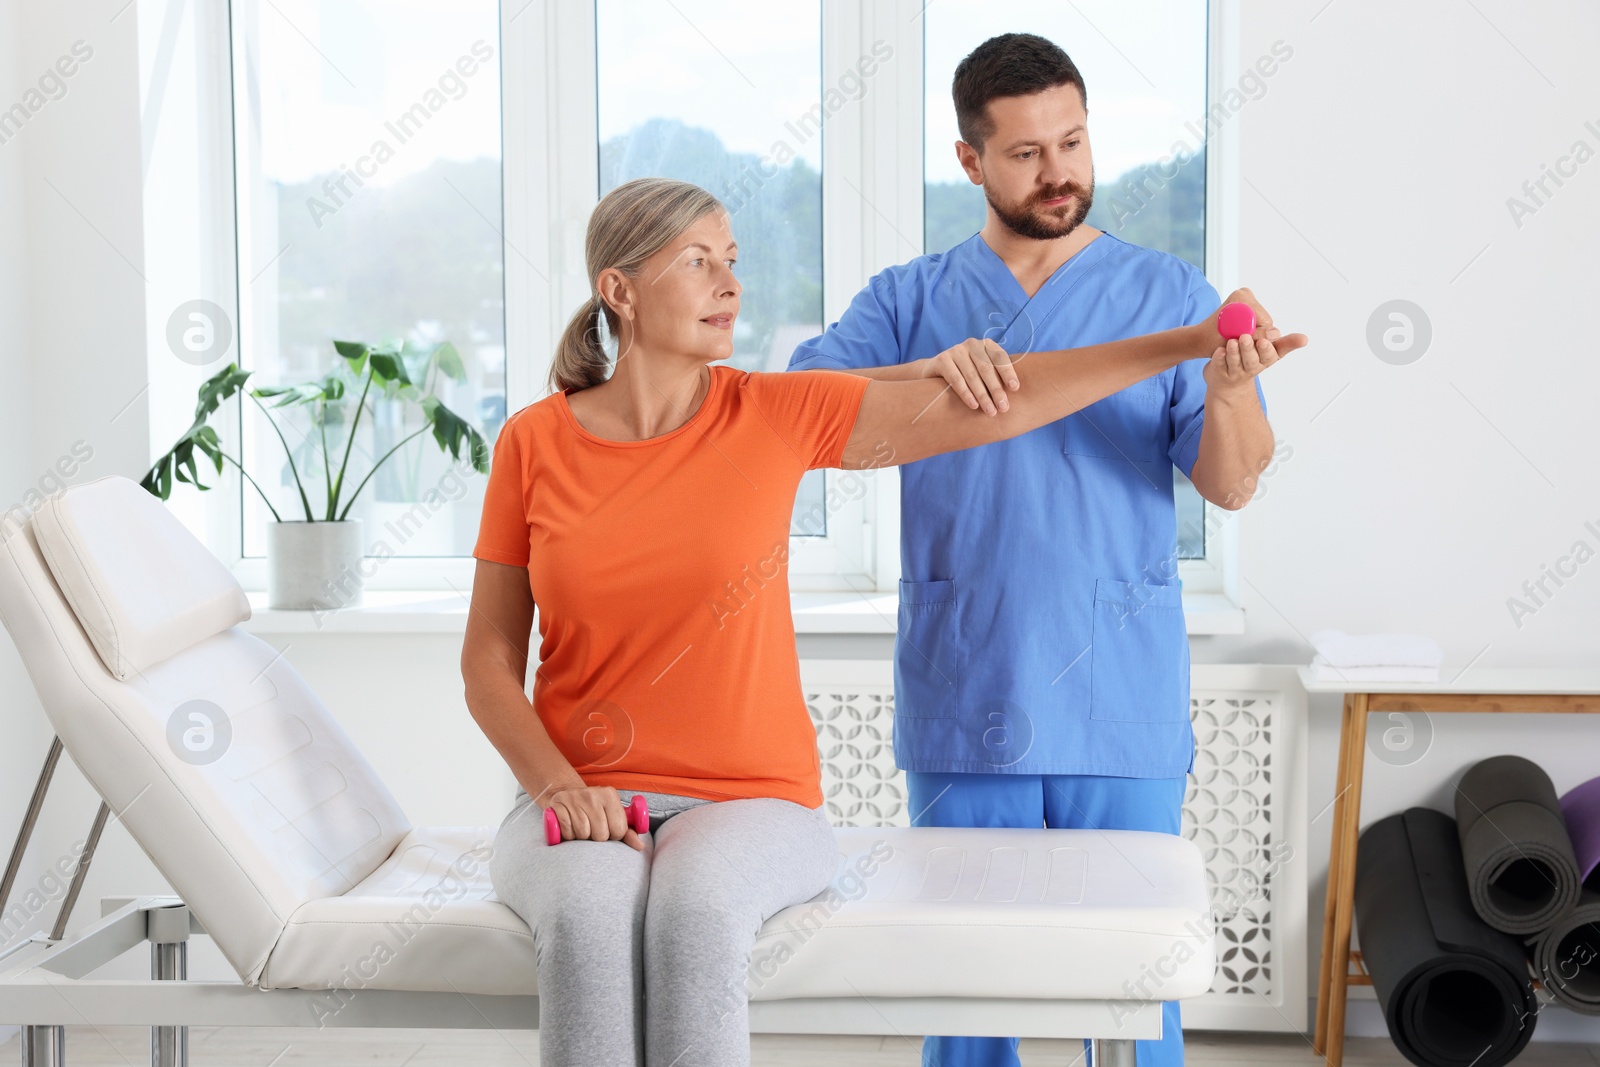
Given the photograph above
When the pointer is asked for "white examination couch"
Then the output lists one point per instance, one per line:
(292, 856)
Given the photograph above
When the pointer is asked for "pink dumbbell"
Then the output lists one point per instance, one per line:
(1236, 320)
(637, 810)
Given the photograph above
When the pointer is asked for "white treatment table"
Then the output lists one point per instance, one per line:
(294, 858)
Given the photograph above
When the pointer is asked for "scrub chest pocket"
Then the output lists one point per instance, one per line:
(1133, 425)
(1139, 665)
(932, 635)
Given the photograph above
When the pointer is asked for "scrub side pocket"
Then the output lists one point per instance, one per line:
(1139, 665)
(928, 654)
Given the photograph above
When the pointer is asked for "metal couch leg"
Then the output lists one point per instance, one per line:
(29, 818)
(1107, 1052)
(44, 1046)
(168, 932)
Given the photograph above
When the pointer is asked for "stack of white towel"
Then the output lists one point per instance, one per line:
(1343, 657)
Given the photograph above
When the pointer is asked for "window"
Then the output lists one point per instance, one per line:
(502, 124)
(369, 210)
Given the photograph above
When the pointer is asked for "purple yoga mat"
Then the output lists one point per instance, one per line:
(1581, 809)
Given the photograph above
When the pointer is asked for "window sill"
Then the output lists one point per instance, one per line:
(381, 611)
(394, 611)
(850, 613)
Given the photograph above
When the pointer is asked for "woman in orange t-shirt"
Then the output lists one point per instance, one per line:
(646, 513)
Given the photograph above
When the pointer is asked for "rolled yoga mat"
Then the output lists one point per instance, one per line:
(1455, 991)
(1581, 808)
(1520, 865)
(1568, 956)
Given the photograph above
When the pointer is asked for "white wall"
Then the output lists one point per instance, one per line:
(72, 311)
(1417, 498)
(21, 731)
(1420, 497)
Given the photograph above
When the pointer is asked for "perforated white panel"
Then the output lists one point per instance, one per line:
(1245, 808)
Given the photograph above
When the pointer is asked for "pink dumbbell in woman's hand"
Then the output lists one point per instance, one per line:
(1236, 320)
(637, 811)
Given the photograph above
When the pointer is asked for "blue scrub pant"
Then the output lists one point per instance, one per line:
(1059, 801)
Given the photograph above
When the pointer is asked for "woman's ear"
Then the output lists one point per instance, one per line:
(614, 290)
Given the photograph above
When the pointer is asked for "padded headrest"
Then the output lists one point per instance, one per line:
(141, 584)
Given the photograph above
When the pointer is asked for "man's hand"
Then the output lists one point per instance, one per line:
(978, 370)
(1235, 364)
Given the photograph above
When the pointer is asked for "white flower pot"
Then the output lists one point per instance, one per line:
(314, 566)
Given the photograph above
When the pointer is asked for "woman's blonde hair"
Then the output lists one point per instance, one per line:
(631, 223)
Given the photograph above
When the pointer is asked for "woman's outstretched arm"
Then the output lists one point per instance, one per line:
(904, 421)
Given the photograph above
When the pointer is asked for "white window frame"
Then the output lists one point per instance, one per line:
(1217, 575)
(872, 218)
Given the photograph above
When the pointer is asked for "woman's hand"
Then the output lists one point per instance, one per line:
(978, 370)
(1264, 327)
(593, 813)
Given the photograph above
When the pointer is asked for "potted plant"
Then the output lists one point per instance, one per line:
(314, 563)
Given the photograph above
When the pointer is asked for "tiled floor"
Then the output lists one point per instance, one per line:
(124, 1046)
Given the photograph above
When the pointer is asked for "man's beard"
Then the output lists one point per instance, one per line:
(1024, 221)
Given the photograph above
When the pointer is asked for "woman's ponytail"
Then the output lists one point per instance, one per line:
(580, 355)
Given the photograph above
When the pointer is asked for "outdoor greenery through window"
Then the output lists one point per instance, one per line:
(726, 94)
(369, 196)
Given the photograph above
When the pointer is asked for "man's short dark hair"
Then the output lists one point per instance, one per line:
(1012, 64)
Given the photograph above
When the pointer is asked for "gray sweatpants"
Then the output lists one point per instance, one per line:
(642, 957)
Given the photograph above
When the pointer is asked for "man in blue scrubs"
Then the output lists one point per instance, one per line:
(1041, 662)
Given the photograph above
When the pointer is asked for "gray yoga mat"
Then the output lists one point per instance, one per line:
(1455, 991)
(1568, 956)
(1520, 866)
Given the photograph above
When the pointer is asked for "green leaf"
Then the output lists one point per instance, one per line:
(416, 358)
(332, 387)
(388, 367)
(355, 355)
(152, 481)
(450, 430)
(193, 477)
(450, 361)
(208, 441)
(217, 388)
(179, 463)
(286, 394)
(327, 389)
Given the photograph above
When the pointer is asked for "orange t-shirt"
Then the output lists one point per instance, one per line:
(660, 571)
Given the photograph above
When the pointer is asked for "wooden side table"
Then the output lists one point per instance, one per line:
(1486, 690)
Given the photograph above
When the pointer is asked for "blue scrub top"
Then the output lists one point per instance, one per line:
(1041, 628)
